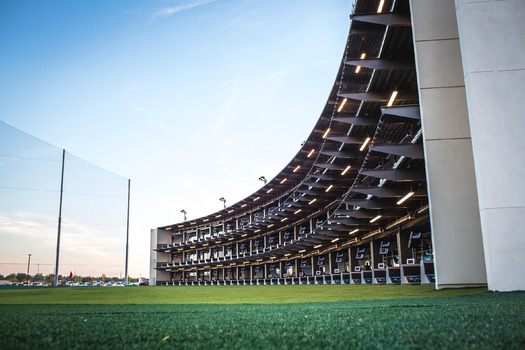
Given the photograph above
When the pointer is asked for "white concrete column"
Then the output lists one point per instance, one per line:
(492, 38)
(456, 230)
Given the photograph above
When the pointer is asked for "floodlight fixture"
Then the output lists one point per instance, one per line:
(184, 212)
(263, 179)
(223, 200)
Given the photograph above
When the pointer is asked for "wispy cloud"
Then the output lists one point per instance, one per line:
(187, 5)
(297, 69)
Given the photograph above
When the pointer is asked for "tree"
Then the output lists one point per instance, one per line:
(22, 277)
(12, 277)
(38, 277)
(50, 279)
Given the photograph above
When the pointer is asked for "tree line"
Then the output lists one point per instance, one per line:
(50, 278)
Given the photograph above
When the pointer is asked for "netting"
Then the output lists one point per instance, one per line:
(94, 211)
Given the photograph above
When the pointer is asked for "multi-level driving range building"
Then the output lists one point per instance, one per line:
(412, 173)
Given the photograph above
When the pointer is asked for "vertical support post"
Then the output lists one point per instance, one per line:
(59, 217)
(127, 238)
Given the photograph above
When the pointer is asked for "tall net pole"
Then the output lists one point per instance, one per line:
(127, 238)
(60, 217)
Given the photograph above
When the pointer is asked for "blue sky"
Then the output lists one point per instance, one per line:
(192, 100)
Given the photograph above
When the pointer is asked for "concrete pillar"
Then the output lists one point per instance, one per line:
(492, 43)
(456, 229)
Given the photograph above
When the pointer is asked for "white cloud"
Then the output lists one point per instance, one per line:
(170, 11)
(297, 69)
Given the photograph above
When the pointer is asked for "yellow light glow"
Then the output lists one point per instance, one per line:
(283, 181)
(297, 211)
(256, 199)
(297, 168)
(380, 7)
(329, 188)
(357, 69)
(312, 201)
(375, 219)
(270, 190)
(284, 219)
(302, 251)
(407, 196)
(318, 246)
(392, 99)
(242, 206)
(335, 240)
(341, 105)
(326, 133)
(354, 231)
(346, 170)
(311, 152)
(365, 143)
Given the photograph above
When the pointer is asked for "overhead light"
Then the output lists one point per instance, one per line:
(242, 206)
(287, 254)
(341, 105)
(346, 170)
(318, 246)
(230, 239)
(392, 98)
(335, 240)
(206, 220)
(259, 259)
(218, 216)
(380, 7)
(283, 181)
(270, 225)
(284, 219)
(302, 251)
(168, 229)
(354, 231)
(244, 235)
(311, 152)
(270, 190)
(326, 133)
(180, 226)
(312, 201)
(376, 218)
(205, 244)
(407, 196)
(256, 199)
(358, 68)
(259, 230)
(297, 168)
(193, 223)
(230, 211)
(297, 211)
(365, 143)
(329, 188)
(363, 55)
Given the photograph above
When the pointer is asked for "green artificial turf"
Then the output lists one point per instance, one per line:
(477, 321)
(222, 294)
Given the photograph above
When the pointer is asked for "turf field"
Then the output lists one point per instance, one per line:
(261, 317)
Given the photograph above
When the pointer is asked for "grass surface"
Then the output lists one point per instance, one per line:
(454, 319)
(222, 294)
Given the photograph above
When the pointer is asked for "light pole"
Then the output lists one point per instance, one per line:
(223, 200)
(184, 212)
(28, 264)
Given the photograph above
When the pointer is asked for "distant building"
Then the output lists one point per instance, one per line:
(412, 173)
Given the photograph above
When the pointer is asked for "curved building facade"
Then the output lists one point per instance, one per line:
(383, 190)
